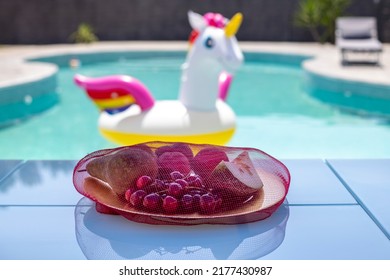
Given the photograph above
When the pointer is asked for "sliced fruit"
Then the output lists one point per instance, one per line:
(237, 178)
(206, 160)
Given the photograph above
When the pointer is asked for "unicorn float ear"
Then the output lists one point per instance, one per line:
(233, 25)
(197, 21)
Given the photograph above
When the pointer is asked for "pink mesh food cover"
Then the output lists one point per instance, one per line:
(183, 183)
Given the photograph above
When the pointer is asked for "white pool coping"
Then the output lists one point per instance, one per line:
(326, 61)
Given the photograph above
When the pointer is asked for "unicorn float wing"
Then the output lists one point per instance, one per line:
(130, 115)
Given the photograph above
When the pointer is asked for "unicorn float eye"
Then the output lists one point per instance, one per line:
(209, 42)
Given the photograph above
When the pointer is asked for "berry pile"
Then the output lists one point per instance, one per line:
(177, 194)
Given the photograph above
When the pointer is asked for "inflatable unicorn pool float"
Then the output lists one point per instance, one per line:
(130, 115)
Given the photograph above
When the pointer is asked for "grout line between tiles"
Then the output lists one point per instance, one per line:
(16, 168)
(356, 197)
(323, 204)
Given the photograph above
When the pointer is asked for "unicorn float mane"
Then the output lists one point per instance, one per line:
(213, 51)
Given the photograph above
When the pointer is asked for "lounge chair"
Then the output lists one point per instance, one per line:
(358, 35)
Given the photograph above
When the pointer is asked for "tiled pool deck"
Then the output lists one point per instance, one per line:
(335, 209)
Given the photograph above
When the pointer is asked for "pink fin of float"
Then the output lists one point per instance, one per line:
(116, 93)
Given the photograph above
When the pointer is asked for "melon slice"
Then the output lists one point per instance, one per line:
(236, 178)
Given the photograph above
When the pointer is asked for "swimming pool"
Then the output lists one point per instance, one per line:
(285, 121)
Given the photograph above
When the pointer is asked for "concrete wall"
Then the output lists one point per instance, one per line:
(52, 21)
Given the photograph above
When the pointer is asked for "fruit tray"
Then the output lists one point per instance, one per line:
(183, 183)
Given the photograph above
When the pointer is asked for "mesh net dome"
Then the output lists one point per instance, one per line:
(182, 183)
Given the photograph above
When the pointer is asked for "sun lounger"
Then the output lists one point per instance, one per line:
(358, 35)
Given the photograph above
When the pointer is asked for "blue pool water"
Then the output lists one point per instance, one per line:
(276, 112)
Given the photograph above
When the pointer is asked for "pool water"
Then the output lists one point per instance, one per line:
(275, 114)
